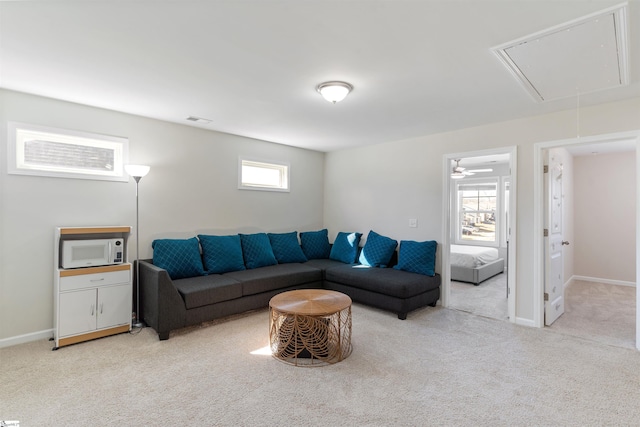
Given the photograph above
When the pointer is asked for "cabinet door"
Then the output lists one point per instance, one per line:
(114, 306)
(77, 312)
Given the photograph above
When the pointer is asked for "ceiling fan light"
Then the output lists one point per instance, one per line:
(334, 91)
(457, 175)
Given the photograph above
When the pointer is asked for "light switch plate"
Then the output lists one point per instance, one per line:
(413, 222)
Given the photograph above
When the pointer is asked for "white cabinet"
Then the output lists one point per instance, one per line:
(92, 309)
(91, 302)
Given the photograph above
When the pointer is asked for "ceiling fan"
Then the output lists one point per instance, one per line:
(459, 172)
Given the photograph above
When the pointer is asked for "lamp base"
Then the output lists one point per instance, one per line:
(135, 323)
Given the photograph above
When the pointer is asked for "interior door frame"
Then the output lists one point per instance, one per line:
(513, 216)
(538, 216)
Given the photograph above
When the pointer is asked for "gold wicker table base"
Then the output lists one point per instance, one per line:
(310, 327)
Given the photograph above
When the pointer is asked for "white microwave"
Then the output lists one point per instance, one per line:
(91, 253)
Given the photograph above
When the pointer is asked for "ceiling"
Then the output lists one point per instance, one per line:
(251, 67)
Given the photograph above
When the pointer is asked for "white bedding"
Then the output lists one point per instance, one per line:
(472, 256)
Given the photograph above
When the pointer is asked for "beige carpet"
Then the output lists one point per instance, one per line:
(601, 312)
(595, 311)
(488, 299)
(438, 367)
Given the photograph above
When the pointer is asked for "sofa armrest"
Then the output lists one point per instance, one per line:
(161, 305)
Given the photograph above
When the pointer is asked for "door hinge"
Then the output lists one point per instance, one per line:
(546, 296)
(545, 169)
(546, 232)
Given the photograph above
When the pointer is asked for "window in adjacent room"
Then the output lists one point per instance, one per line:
(44, 151)
(506, 184)
(477, 211)
(258, 175)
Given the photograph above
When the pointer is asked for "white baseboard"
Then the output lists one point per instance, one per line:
(525, 322)
(21, 339)
(599, 280)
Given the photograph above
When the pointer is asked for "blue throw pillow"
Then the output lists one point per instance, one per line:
(286, 247)
(378, 250)
(417, 257)
(345, 247)
(221, 254)
(315, 244)
(256, 250)
(180, 257)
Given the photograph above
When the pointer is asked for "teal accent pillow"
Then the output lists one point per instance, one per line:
(377, 250)
(417, 257)
(180, 257)
(286, 247)
(256, 250)
(315, 244)
(345, 247)
(221, 254)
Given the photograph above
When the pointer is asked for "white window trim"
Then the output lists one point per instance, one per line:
(284, 167)
(15, 153)
(458, 239)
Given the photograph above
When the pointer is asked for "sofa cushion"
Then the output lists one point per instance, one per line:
(221, 254)
(387, 281)
(275, 277)
(180, 257)
(256, 250)
(207, 290)
(315, 244)
(377, 250)
(417, 257)
(286, 247)
(345, 247)
(324, 264)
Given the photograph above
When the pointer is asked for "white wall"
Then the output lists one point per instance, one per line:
(605, 216)
(192, 187)
(382, 186)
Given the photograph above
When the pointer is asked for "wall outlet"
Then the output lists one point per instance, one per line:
(413, 222)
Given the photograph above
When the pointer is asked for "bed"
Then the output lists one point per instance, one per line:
(474, 264)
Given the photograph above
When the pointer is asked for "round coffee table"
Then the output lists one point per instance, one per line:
(310, 327)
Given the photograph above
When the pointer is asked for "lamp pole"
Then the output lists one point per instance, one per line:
(137, 172)
(137, 322)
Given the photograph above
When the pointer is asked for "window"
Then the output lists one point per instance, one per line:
(38, 150)
(257, 175)
(477, 211)
(506, 184)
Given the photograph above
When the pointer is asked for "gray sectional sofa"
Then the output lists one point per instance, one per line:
(168, 304)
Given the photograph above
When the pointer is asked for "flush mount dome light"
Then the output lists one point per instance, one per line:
(334, 91)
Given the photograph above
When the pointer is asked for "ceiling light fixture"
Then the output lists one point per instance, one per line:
(334, 91)
(459, 172)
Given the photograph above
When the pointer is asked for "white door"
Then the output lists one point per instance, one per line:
(554, 264)
(114, 306)
(77, 312)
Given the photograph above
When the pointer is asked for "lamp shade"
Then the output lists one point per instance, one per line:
(137, 170)
(334, 91)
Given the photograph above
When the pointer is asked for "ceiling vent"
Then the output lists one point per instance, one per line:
(581, 56)
(198, 120)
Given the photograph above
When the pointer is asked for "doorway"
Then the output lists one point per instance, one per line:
(473, 227)
(602, 144)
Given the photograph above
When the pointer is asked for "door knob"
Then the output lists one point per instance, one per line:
(564, 242)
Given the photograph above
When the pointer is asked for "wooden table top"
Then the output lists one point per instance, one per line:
(310, 302)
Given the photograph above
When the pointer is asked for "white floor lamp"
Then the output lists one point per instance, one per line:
(137, 172)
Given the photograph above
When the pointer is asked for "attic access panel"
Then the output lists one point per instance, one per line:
(581, 56)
